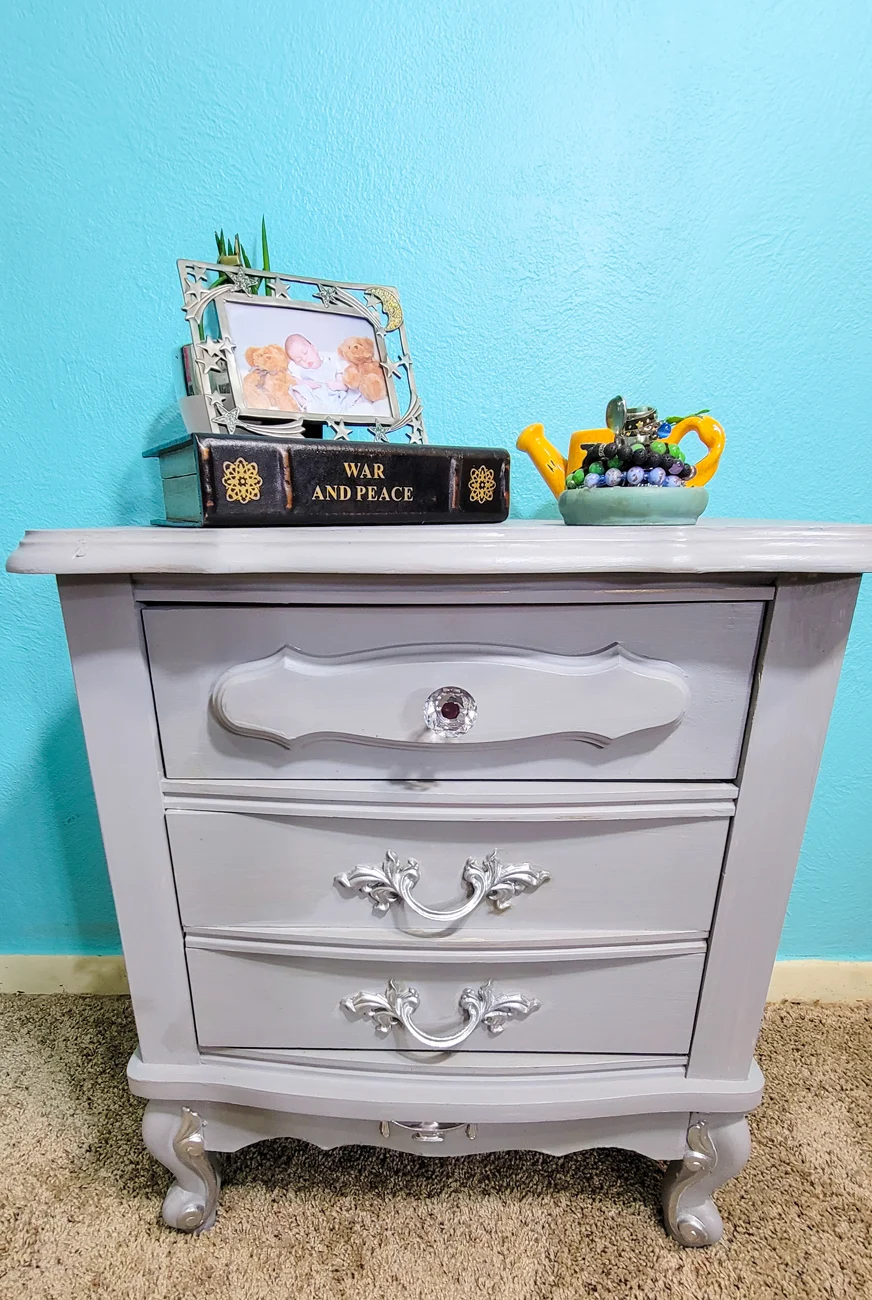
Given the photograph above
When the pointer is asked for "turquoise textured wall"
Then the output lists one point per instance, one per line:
(668, 199)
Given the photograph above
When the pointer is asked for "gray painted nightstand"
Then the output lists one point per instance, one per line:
(453, 840)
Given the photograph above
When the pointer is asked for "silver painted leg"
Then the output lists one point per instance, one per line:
(718, 1147)
(174, 1135)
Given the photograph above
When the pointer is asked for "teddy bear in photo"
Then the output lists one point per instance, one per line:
(363, 372)
(267, 386)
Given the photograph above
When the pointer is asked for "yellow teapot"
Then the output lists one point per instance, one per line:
(554, 468)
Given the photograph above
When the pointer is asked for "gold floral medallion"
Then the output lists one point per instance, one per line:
(482, 484)
(241, 481)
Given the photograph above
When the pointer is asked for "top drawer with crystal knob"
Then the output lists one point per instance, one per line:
(618, 691)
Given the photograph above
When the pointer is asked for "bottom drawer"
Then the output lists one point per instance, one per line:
(629, 1000)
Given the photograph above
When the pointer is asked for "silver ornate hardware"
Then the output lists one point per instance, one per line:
(717, 1148)
(427, 1130)
(450, 711)
(189, 1146)
(482, 1006)
(392, 882)
(700, 1160)
(217, 371)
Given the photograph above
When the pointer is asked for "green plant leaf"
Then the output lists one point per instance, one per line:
(676, 419)
(255, 289)
(267, 287)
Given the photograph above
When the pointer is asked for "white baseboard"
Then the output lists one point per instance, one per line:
(821, 981)
(803, 981)
(61, 974)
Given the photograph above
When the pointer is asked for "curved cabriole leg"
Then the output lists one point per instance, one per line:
(717, 1148)
(174, 1136)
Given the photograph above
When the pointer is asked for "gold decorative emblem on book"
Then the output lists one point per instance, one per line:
(482, 484)
(241, 481)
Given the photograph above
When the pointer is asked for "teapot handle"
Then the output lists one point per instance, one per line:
(711, 435)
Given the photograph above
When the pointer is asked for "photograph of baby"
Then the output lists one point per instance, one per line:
(317, 363)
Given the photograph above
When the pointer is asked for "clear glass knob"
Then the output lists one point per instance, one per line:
(450, 711)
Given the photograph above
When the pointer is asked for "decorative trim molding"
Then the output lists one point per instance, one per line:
(799, 981)
(520, 548)
(511, 805)
(359, 946)
(290, 697)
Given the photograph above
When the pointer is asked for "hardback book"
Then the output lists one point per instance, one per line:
(218, 481)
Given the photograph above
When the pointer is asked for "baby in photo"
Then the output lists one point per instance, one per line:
(318, 381)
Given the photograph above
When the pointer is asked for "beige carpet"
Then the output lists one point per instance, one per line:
(80, 1198)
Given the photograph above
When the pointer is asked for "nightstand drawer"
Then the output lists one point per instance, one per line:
(250, 995)
(611, 870)
(622, 691)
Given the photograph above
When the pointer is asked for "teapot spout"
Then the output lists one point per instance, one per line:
(550, 464)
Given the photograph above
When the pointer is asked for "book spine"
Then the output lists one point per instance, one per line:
(207, 479)
(247, 482)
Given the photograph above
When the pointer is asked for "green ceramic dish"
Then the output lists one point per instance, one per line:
(632, 505)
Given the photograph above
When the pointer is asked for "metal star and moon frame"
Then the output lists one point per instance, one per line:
(272, 353)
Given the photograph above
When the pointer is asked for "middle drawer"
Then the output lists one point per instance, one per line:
(609, 871)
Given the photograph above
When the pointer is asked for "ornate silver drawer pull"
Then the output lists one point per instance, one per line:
(426, 1130)
(483, 1006)
(490, 879)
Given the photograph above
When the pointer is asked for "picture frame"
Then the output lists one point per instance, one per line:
(279, 355)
